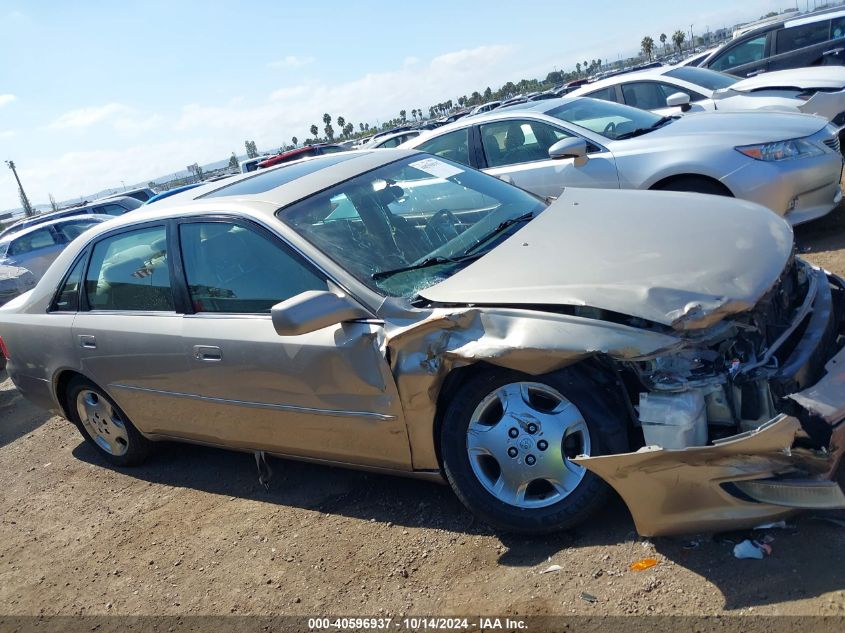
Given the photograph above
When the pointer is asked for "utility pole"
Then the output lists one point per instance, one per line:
(691, 39)
(27, 208)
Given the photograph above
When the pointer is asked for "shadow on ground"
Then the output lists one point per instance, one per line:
(17, 416)
(407, 502)
(824, 234)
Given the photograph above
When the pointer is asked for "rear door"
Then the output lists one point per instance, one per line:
(128, 332)
(803, 44)
(325, 395)
(517, 151)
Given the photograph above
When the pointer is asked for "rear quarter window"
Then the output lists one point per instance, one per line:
(798, 37)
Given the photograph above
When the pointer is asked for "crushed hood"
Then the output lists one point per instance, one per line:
(679, 259)
(817, 77)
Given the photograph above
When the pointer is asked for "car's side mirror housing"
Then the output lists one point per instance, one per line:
(572, 147)
(313, 310)
(678, 100)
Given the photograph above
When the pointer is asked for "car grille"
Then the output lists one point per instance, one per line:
(832, 143)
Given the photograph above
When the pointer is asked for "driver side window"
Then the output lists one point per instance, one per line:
(744, 53)
(233, 269)
(513, 142)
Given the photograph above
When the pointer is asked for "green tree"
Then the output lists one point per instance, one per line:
(53, 204)
(488, 94)
(648, 46)
(251, 151)
(585, 66)
(678, 38)
(361, 126)
(578, 68)
(314, 131)
(327, 118)
(663, 39)
(349, 129)
(341, 124)
(233, 162)
(402, 114)
(295, 141)
(329, 130)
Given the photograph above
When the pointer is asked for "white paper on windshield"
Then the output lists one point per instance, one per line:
(436, 167)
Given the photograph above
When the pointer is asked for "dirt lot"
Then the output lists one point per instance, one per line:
(193, 532)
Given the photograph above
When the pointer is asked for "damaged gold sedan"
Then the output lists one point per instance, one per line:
(405, 314)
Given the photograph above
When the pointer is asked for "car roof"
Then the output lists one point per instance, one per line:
(648, 73)
(387, 137)
(98, 217)
(315, 174)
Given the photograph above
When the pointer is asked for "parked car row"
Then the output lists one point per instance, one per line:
(790, 163)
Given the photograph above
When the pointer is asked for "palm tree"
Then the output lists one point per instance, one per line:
(314, 131)
(586, 64)
(327, 118)
(663, 41)
(295, 141)
(678, 38)
(402, 114)
(341, 122)
(648, 46)
(578, 68)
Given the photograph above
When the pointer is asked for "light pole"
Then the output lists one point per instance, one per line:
(124, 185)
(27, 208)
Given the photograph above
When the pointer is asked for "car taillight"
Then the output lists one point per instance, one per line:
(4, 351)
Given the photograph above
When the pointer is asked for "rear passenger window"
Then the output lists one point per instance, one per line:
(796, 37)
(68, 298)
(837, 28)
(129, 271)
(233, 269)
(454, 146)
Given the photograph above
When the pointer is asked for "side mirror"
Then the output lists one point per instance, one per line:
(313, 310)
(678, 99)
(572, 147)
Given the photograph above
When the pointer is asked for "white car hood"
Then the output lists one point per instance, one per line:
(685, 260)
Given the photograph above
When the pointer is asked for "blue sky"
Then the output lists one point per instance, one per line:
(92, 93)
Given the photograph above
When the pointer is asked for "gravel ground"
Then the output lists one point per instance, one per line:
(193, 532)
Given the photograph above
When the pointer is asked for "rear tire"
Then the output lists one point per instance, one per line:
(506, 441)
(695, 184)
(104, 425)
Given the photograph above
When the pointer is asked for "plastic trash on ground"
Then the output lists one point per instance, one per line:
(752, 549)
(644, 563)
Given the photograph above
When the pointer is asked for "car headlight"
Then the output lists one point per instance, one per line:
(781, 150)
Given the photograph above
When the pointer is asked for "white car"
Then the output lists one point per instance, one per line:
(393, 140)
(673, 89)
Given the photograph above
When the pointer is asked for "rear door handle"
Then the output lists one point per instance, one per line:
(87, 341)
(833, 51)
(755, 73)
(209, 353)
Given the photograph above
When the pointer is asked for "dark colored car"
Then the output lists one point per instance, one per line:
(300, 152)
(107, 206)
(817, 39)
(173, 192)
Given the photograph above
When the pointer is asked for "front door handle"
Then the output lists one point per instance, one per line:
(87, 341)
(755, 73)
(209, 353)
(833, 51)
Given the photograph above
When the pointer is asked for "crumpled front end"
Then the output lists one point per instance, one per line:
(772, 383)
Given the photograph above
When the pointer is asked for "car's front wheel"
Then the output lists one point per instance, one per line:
(507, 442)
(104, 425)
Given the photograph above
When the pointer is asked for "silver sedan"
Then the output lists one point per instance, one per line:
(787, 162)
(398, 312)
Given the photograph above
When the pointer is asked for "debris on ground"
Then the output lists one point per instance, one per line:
(643, 563)
(752, 549)
(551, 569)
(588, 597)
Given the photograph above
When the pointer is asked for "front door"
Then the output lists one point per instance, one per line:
(517, 151)
(326, 395)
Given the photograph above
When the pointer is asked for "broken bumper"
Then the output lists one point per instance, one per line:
(751, 478)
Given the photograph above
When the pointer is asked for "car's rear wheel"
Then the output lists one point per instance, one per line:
(104, 425)
(507, 442)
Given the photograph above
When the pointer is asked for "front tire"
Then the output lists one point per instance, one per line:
(104, 425)
(506, 443)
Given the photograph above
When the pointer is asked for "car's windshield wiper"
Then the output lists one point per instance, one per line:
(431, 261)
(645, 130)
(525, 217)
